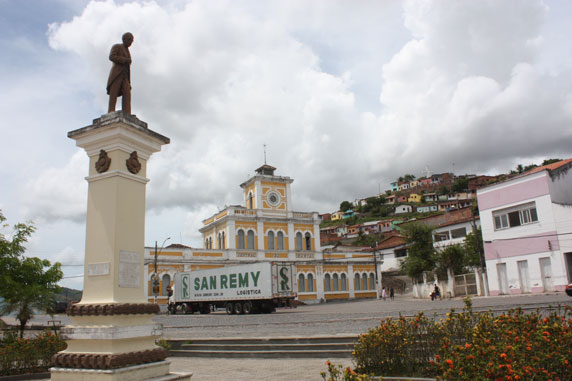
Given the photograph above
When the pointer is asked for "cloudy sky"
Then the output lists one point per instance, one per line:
(347, 95)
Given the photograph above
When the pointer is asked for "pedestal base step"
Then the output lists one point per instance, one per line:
(157, 371)
(172, 377)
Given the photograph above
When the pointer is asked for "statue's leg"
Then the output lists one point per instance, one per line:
(126, 97)
(113, 91)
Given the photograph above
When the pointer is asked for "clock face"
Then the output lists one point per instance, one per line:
(273, 198)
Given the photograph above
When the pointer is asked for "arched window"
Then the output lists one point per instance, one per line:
(250, 239)
(219, 241)
(344, 282)
(364, 281)
(270, 240)
(308, 240)
(223, 241)
(371, 282)
(280, 240)
(299, 241)
(250, 201)
(310, 283)
(206, 243)
(357, 284)
(165, 281)
(301, 283)
(336, 282)
(327, 283)
(241, 239)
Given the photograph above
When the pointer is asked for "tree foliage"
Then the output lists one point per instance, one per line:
(406, 178)
(367, 239)
(550, 161)
(451, 257)
(375, 206)
(420, 252)
(345, 206)
(460, 185)
(27, 284)
(474, 251)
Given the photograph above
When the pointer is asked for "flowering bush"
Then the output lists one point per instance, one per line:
(468, 346)
(512, 346)
(18, 356)
(338, 373)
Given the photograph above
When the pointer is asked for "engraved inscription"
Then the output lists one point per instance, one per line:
(94, 269)
(129, 269)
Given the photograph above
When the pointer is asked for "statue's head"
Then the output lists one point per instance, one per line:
(127, 39)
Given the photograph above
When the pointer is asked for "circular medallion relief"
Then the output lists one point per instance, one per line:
(273, 198)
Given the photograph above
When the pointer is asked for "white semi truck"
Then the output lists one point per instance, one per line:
(242, 289)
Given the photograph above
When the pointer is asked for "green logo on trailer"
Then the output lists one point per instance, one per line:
(185, 282)
(284, 280)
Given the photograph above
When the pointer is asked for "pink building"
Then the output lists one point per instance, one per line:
(527, 226)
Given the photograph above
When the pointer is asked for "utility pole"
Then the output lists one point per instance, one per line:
(481, 250)
(155, 283)
(375, 264)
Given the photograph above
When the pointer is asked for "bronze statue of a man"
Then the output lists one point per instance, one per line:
(119, 82)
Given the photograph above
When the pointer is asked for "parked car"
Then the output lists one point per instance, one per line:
(569, 289)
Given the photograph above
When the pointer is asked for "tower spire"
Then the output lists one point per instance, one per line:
(264, 145)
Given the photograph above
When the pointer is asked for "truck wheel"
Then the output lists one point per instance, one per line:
(186, 308)
(247, 308)
(229, 308)
(238, 308)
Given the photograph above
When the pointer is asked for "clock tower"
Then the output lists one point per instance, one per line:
(267, 192)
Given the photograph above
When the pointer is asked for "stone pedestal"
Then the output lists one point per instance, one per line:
(112, 336)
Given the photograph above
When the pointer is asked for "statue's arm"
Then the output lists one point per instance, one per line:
(116, 55)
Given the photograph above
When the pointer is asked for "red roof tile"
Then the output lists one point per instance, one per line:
(549, 167)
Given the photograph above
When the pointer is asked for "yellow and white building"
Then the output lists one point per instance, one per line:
(267, 229)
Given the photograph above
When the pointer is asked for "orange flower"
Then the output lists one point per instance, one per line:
(467, 345)
(503, 355)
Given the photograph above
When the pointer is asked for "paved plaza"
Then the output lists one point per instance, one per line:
(341, 318)
(337, 318)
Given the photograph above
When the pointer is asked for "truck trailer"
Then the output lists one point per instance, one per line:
(243, 289)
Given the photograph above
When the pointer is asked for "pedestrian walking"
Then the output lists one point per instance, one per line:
(391, 293)
(383, 293)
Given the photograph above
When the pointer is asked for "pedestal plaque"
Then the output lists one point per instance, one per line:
(112, 336)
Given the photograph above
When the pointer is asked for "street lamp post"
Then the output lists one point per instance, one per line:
(155, 285)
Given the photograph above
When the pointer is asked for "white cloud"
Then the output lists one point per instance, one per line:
(58, 193)
(223, 78)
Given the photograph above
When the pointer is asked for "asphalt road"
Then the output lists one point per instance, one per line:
(343, 318)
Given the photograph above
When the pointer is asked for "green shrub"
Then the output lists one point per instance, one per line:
(163, 344)
(19, 356)
(398, 347)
